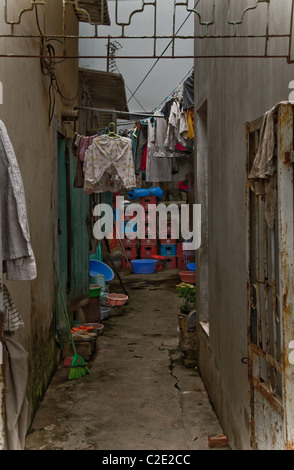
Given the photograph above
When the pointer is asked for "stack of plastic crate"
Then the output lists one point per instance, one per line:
(125, 228)
(184, 256)
(168, 245)
(148, 244)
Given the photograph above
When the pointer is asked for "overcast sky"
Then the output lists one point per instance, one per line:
(166, 74)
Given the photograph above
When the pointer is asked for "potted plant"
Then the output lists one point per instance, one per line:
(188, 293)
(187, 322)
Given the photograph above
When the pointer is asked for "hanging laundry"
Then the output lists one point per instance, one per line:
(142, 137)
(82, 143)
(179, 148)
(16, 403)
(188, 92)
(108, 165)
(17, 250)
(185, 186)
(144, 158)
(177, 127)
(160, 150)
(264, 171)
(157, 169)
(80, 146)
(12, 318)
(190, 123)
(167, 108)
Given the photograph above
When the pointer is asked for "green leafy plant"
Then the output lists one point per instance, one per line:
(188, 293)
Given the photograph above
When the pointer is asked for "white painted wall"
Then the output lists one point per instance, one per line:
(235, 91)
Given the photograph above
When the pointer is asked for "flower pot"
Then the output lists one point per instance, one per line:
(188, 276)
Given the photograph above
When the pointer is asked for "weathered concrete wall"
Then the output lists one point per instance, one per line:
(231, 91)
(25, 112)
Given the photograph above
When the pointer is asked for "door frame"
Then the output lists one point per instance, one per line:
(270, 295)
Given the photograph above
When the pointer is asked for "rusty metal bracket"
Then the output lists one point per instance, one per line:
(95, 12)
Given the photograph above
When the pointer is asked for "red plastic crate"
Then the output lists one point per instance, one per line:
(128, 242)
(168, 241)
(146, 217)
(183, 261)
(131, 251)
(113, 243)
(171, 230)
(144, 201)
(170, 262)
(146, 251)
(148, 242)
(149, 231)
(179, 249)
(148, 224)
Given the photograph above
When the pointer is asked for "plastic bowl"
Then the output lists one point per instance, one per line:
(104, 313)
(116, 299)
(191, 266)
(188, 276)
(95, 290)
(97, 267)
(97, 326)
(144, 266)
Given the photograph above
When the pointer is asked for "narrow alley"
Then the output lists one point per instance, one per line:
(141, 393)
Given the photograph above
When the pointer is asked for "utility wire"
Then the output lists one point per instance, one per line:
(186, 76)
(158, 106)
(131, 91)
(48, 66)
(157, 60)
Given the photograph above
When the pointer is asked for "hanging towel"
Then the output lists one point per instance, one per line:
(157, 169)
(263, 170)
(17, 250)
(161, 130)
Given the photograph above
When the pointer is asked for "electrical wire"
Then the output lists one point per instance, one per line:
(173, 91)
(158, 106)
(48, 66)
(157, 60)
(131, 91)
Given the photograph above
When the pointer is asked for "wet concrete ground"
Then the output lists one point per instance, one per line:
(139, 394)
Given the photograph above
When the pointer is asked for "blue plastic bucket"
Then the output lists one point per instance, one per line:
(143, 266)
(97, 267)
(191, 266)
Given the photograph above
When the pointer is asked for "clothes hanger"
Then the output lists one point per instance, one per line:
(112, 133)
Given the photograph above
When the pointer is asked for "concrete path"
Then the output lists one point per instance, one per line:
(139, 395)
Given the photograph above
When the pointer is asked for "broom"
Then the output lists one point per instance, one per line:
(78, 367)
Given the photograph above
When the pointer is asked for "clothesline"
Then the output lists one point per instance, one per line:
(116, 111)
(144, 153)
